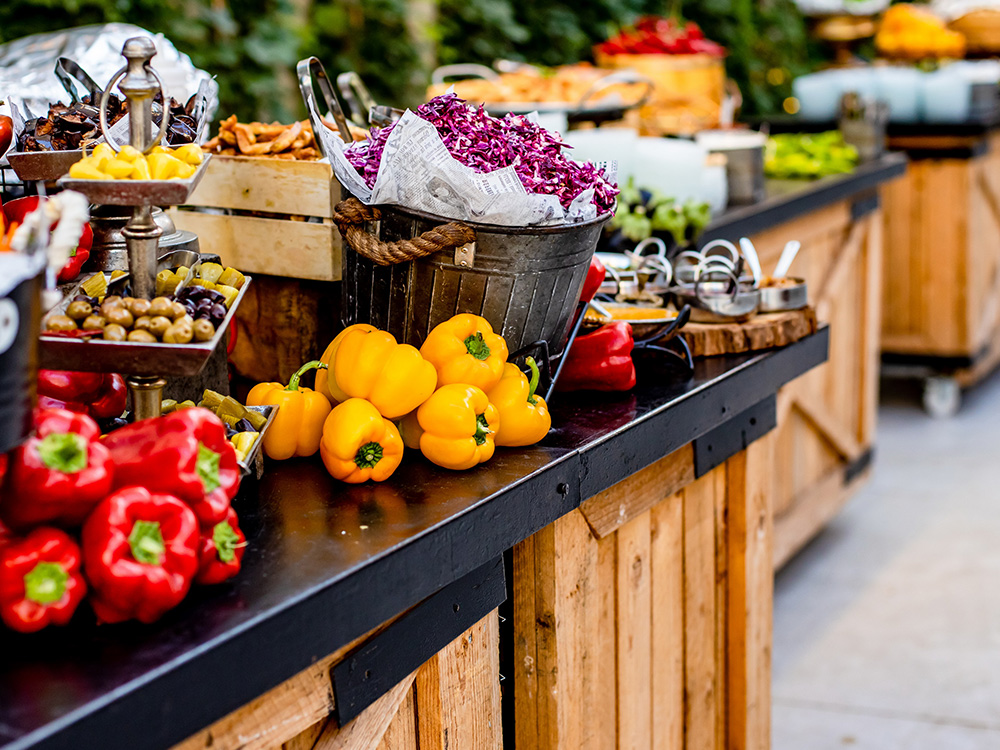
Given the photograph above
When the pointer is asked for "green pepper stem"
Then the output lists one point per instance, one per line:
(482, 429)
(226, 541)
(65, 452)
(533, 382)
(368, 455)
(293, 383)
(45, 583)
(146, 542)
(476, 346)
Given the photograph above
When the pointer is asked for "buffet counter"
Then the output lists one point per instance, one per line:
(368, 615)
(823, 445)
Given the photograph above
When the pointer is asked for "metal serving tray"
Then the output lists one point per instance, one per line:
(254, 462)
(32, 166)
(130, 357)
(138, 192)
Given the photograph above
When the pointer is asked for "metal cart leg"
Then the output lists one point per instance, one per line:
(942, 396)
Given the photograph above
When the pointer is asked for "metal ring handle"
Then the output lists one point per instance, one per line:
(310, 72)
(735, 285)
(472, 70)
(357, 96)
(660, 245)
(103, 114)
(724, 244)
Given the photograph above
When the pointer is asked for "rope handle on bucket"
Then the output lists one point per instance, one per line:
(351, 215)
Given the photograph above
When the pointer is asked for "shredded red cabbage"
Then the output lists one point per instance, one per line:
(487, 143)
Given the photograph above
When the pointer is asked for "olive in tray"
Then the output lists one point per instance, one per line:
(116, 318)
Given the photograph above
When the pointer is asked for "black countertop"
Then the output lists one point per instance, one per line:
(327, 562)
(789, 199)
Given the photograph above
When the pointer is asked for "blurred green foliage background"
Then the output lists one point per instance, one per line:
(252, 45)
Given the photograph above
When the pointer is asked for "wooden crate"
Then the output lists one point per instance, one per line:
(643, 619)
(280, 243)
(827, 418)
(452, 701)
(290, 311)
(941, 286)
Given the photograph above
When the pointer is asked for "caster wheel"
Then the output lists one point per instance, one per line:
(942, 397)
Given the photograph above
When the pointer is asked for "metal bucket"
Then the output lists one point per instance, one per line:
(20, 321)
(526, 281)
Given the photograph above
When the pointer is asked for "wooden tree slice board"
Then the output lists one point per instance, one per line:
(761, 332)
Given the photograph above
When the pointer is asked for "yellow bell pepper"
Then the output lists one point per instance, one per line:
(455, 427)
(368, 363)
(325, 384)
(465, 350)
(359, 443)
(298, 425)
(524, 417)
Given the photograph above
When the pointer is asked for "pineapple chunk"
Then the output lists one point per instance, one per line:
(190, 154)
(140, 170)
(128, 153)
(211, 272)
(85, 170)
(103, 151)
(118, 169)
(163, 166)
(232, 277)
(229, 292)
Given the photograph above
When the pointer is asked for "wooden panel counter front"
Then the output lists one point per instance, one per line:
(643, 618)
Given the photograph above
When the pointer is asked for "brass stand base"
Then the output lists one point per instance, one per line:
(147, 396)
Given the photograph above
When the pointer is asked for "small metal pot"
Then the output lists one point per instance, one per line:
(781, 298)
(726, 301)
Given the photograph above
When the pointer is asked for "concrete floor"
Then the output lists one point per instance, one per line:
(887, 626)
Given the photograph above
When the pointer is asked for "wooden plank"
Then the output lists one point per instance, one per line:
(667, 641)
(831, 429)
(458, 692)
(367, 729)
(634, 618)
(402, 732)
(277, 716)
(761, 332)
(279, 186)
(870, 327)
(608, 511)
(810, 512)
(700, 675)
(307, 739)
(281, 324)
(751, 591)
(279, 247)
(525, 675)
(546, 644)
(721, 607)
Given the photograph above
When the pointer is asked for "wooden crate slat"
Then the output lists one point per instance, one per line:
(279, 186)
(295, 249)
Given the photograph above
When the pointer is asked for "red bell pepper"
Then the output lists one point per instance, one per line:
(600, 361)
(102, 396)
(140, 554)
(595, 277)
(16, 211)
(6, 535)
(221, 551)
(60, 474)
(40, 580)
(184, 453)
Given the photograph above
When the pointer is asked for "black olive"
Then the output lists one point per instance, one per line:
(218, 311)
(244, 426)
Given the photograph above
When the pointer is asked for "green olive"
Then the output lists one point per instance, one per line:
(137, 306)
(179, 311)
(79, 309)
(60, 323)
(142, 337)
(159, 325)
(203, 330)
(180, 332)
(119, 316)
(161, 306)
(93, 321)
(114, 332)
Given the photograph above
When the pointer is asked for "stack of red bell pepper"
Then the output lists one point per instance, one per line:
(653, 35)
(101, 395)
(152, 498)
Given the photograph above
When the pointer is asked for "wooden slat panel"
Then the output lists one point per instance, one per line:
(458, 692)
(296, 249)
(609, 510)
(700, 674)
(277, 186)
(721, 606)
(307, 739)
(367, 729)
(750, 588)
(402, 732)
(667, 644)
(634, 617)
(525, 653)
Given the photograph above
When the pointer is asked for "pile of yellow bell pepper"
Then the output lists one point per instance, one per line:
(455, 399)
(913, 32)
(161, 163)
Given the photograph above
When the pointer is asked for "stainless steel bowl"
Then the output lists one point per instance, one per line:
(718, 301)
(781, 298)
